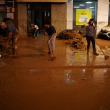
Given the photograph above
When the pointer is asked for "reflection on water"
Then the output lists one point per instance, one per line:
(83, 71)
(105, 70)
(98, 75)
(67, 78)
(78, 57)
(93, 76)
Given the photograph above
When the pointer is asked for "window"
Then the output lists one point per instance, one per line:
(10, 3)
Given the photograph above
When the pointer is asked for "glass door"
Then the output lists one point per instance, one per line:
(47, 16)
(38, 13)
(30, 20)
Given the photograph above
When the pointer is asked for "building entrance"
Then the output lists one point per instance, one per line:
(38, 13)
(2, 13)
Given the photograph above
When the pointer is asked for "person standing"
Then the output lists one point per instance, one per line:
(90, 27)
(51, 36)
(12, 35)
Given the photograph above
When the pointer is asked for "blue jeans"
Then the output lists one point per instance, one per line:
(52, 42)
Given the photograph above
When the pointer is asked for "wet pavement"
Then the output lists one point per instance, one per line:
(32, 53)
(73, 81)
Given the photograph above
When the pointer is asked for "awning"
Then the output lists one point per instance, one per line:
(41, 0)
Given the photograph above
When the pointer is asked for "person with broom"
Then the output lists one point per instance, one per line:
(90, 27)
(50, 32)
(12, 35)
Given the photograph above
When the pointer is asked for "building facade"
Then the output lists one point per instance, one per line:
(61, 13)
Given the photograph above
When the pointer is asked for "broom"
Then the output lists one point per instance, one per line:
(106, 57)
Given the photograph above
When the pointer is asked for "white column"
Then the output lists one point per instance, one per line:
(70, 14)
(102, 14)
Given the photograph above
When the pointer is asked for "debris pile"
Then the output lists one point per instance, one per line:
(74, 38)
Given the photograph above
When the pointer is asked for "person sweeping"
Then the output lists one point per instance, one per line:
(90, 27)
(12, 36)
(51, 36)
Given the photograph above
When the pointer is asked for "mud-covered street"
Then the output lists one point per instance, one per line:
(73, 81)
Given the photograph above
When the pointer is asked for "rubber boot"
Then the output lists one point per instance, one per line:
(94, 53)
(14, 53)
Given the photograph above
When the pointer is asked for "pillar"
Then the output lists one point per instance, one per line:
(22, 19)
(70, 14)
(102, 14)
(58, 16)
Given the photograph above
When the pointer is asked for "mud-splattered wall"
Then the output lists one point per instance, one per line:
(22, 19)
(59, 16)
(102, 14)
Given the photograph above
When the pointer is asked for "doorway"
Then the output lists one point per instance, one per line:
(38, 13)
(2, 15)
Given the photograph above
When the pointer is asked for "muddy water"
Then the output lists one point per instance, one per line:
(31, 51)
(70, 89)
(74, 81)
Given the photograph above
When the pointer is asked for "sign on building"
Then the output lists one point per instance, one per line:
(83, 16)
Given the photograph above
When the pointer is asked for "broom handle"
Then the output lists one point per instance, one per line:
(99, 47)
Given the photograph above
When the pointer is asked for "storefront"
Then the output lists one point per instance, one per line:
(83, 10)
(63, 14)
(38, 14)
(39, 11)
(7, 7)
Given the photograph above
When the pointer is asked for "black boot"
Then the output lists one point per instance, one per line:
(14, 53)
(94, 53)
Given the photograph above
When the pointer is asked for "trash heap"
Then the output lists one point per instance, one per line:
(74, 38)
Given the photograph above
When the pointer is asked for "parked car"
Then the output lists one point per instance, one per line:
(105, 32)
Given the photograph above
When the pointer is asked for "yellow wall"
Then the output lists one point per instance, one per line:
(41, 0)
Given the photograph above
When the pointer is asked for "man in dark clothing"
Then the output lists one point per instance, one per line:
(51, 36)
(13, 35)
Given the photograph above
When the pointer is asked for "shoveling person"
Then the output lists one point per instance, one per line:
(51, 36)
(12, 36)
(90, 27)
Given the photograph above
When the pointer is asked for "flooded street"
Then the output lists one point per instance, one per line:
(73, 81)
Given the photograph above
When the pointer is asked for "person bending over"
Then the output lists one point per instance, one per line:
(12, 35)
(51, 36)
(34, 28)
